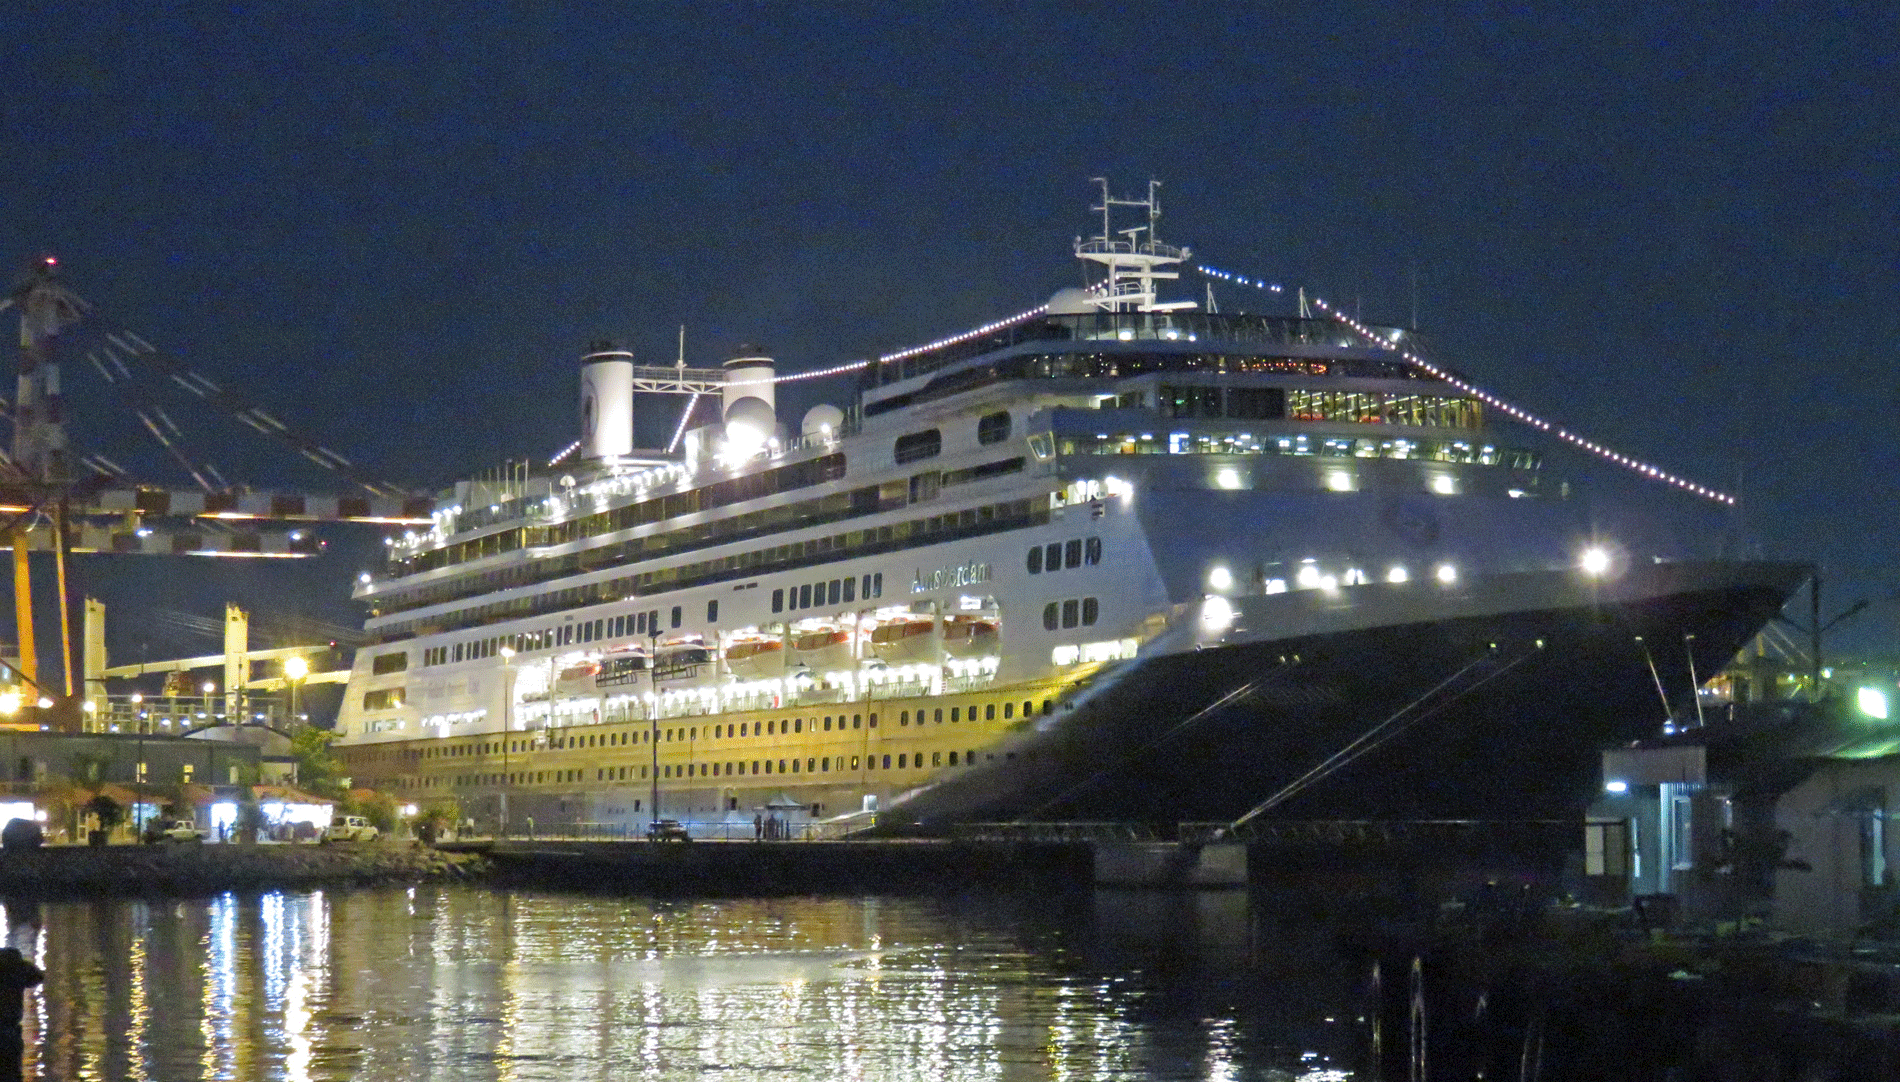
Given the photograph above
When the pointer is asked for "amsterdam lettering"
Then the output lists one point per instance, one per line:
(946, 578)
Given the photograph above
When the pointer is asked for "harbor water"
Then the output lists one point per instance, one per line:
(459, 982)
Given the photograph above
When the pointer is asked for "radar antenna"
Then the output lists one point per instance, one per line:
(1133, 264)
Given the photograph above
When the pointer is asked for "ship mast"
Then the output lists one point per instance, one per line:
(1136, 263)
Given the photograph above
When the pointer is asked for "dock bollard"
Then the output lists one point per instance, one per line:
(16, 976)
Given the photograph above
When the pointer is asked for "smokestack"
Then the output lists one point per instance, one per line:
(606, 402)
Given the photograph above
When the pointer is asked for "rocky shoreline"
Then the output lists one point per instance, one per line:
(187, 870)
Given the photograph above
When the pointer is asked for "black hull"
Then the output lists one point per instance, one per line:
(1496, 714)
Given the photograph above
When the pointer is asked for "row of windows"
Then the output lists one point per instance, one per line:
(970, 522)
(1240, 403)
(821, 764)
(682, 734)
(1125, 365)
(856, 503)
(754, 486)
(1057, 555)
(1378, 407)
(835, 592)
(1074, 612)
(1250, 443)
(547, 638)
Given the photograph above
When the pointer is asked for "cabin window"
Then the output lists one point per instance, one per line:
(1071, 613)
(1049, 616)
(940, 715)
(850, 590)
(864, 586)
(676, 616)
(1052, 557)
(870, 762)
(778, 600)
(993, 428)
(804, 596)
(396, 661)
(887, 762)
(831, 592)
(1035, 560)
(916, 446)
(953, 758)
(903, 718)
(854, 720)
(1090, 610)
(953, 713)
(1072, 553)
(936, 758)
(873, 721)
(901, 759)
(877, 584)
(827, 723)
(989, 711)
(824, 764)
(1092, 552)
(798, 725)
(712, 610)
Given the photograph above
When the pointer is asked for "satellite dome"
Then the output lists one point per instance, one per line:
(821, 419)
(1071, 301)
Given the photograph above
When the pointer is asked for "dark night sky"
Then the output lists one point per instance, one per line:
(1671, 227)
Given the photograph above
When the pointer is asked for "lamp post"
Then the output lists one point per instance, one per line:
(653, 719)
(296, 670)
(507, 727)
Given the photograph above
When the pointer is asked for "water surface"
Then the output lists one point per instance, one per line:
(461, 983)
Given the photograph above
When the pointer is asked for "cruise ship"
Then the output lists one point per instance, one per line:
(1118, 558)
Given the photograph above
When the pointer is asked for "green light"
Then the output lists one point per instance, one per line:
(1873, 703)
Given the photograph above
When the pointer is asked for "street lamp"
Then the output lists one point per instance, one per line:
(507, 727)
(296, 669)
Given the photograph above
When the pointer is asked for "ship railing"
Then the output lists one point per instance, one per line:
(973, 682)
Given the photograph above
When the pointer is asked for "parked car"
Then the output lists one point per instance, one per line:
(179, 830)
(667, 830)
(350, 828)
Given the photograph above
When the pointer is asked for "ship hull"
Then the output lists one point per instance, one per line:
(1496, 706)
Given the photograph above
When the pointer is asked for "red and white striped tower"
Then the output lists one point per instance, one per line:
(39, 416)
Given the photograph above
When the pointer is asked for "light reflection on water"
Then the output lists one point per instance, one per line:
(458, 983)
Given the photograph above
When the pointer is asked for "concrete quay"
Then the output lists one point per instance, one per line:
(184, 870)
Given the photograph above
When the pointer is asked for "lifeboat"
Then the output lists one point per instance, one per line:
(902, 641)
(822, 648)
(750, 659)
(684, 662)
(576, 680)
(969, 636)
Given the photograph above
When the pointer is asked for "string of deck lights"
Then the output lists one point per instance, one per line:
(1525, 416)
(849, 366)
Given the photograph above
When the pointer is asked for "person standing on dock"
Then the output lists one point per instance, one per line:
(758, 827)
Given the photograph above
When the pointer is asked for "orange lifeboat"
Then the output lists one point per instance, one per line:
(969, 636)
(903, 640)
(752, 658)
(822, 648)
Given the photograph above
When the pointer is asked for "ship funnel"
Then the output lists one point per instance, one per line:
(606, 401)
(749, 398)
